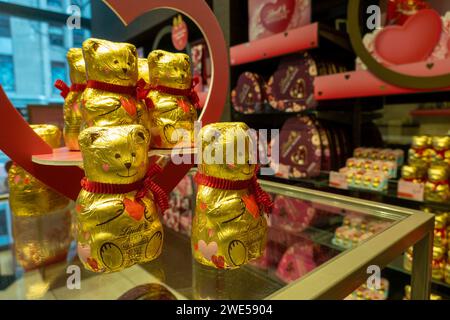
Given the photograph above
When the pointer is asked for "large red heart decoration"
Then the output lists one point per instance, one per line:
(275, 17)
(20, 142)
(412, 42)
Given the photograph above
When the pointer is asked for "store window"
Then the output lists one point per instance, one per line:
(78, 37)
(56, 34)
(54, 3)
(58, 72)
(7, 72)
(5, 26)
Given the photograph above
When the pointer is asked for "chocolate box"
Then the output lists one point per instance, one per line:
(248, 96)
(268, 17)
(300, 151)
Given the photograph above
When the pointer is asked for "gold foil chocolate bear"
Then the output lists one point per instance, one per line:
(414, 173)
(441, 150)
(437, 187)
(117, 218)
(72, 97)
(229, 226)
(112, 73)
(29, 196)
(171, 100)
(420, 150)
(41, 219)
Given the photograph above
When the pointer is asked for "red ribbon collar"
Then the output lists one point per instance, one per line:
(252, 184)
(65, 89)
(143, 88)
(143, 187)
(114, 88)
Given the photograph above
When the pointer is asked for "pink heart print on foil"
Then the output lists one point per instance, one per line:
(276, 16)
(105, 167)
(207, 250)
(412, 42)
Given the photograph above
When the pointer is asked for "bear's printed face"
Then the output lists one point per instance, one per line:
(227, 150)
(111, 62)
(117, 155)
(169, 69)
(76, 65)
(143, 69)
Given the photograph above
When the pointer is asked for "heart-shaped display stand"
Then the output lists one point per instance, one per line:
(19, 142)
(412, 42)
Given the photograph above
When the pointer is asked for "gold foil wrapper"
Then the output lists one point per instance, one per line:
(441, 150)
(72, 103)
(437, 188)
(117, 64)
(114, 230)
(143, 69)
(172, 117)
(421, 150)
(416, 173)
(28, 196)
(228, 229)
(41, 216)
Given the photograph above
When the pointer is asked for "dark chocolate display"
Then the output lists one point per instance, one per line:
(248, 96)
(291, 87)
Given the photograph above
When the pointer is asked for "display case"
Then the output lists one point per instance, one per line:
(320, 246)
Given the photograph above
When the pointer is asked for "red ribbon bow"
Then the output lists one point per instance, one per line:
(143, 186)
(262, 197)
(143, 89)
(63, 87)
(159, 195)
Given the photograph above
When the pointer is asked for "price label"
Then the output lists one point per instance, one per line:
(410, 190)
(338, 180)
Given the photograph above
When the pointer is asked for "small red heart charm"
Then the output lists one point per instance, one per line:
(412, 42)
(275, 17)
(129, 105)
(134, 209)
(219, 261)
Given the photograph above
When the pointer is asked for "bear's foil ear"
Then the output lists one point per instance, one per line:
(132, 49)
(91, 44)
(88, 136)
(141, 136)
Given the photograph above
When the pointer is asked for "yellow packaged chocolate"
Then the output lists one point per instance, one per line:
(229, 227)
(420, 150)
(437, 187)
(143, 69)
(117, 217)
(72, 100)
(29, 196)
(171, 100)
(41, 219)
(414, 173)
(112, 73)
(441, 149)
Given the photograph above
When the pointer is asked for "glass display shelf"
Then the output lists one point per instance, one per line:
(305, 256)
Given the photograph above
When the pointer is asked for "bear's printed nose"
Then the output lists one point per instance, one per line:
(127, 165)
(125, 70)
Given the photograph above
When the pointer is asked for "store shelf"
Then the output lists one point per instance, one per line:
(298, 39)
(430, 113)
(357, 84)
(59, 157)
(397, 265)
(65, 157)
(388, 197)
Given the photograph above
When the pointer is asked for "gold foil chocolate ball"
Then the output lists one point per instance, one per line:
(72, 102)
(172, 113)
(229, 228)
(116, 230)
(110, 65)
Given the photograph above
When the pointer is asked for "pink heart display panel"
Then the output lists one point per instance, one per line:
(412, 42)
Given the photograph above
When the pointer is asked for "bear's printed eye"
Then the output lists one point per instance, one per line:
(133, 154)
(117, 156)
(128, 63)
(116, 61)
